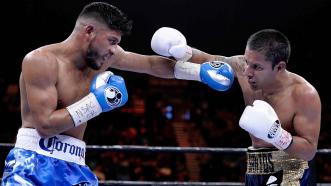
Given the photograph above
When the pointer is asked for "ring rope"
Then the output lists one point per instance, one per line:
(139, 148)
(152, 183)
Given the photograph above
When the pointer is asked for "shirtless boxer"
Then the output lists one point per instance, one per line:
(65, 84)
(283, 110)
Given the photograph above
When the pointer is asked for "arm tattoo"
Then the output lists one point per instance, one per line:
(220, 58)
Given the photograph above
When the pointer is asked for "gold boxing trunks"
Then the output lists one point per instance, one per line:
(264, 161)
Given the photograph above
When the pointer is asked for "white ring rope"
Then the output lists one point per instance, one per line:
(139, 148)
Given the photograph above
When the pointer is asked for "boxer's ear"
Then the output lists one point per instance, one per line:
(280, 66)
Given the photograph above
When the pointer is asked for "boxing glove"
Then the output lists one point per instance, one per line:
(170, 42)
(107, 92)
(216, 74)
(261, 121)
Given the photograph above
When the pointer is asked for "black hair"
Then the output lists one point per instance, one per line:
(274, 44)
(112, 16)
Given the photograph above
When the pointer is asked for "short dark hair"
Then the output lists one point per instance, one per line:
(112, 16)
(274, 44)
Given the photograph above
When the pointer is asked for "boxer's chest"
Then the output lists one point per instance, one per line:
(284, 106)
(71, 88)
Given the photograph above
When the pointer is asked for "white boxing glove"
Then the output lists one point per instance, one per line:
(262, 121)
(170, 42)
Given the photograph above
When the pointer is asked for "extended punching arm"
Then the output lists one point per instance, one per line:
(170, 42)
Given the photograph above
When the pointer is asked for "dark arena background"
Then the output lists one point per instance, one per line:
(173, 113)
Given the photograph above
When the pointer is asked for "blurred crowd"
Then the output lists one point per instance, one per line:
(165, 113)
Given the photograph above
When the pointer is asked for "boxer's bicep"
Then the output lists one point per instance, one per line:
(39, 78)
(238, 64)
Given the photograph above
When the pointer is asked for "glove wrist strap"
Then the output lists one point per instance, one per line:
(85, 109)
(188, 54)
(187, 71)
(284, 140)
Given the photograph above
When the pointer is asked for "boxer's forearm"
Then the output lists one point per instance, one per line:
(199, 56)
(302, 148)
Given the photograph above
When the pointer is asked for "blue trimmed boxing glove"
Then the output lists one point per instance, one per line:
(107, 92)
(111, 95)
(217, 75)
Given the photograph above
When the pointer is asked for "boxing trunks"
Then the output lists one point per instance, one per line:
(273, 167)
(58, 160)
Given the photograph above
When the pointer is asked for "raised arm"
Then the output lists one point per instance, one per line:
(299, 141)
(40, 96)
(153, 65)
(306, 123)
(38, 87)
(170, 42)
(218, 76)
(237, 62)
